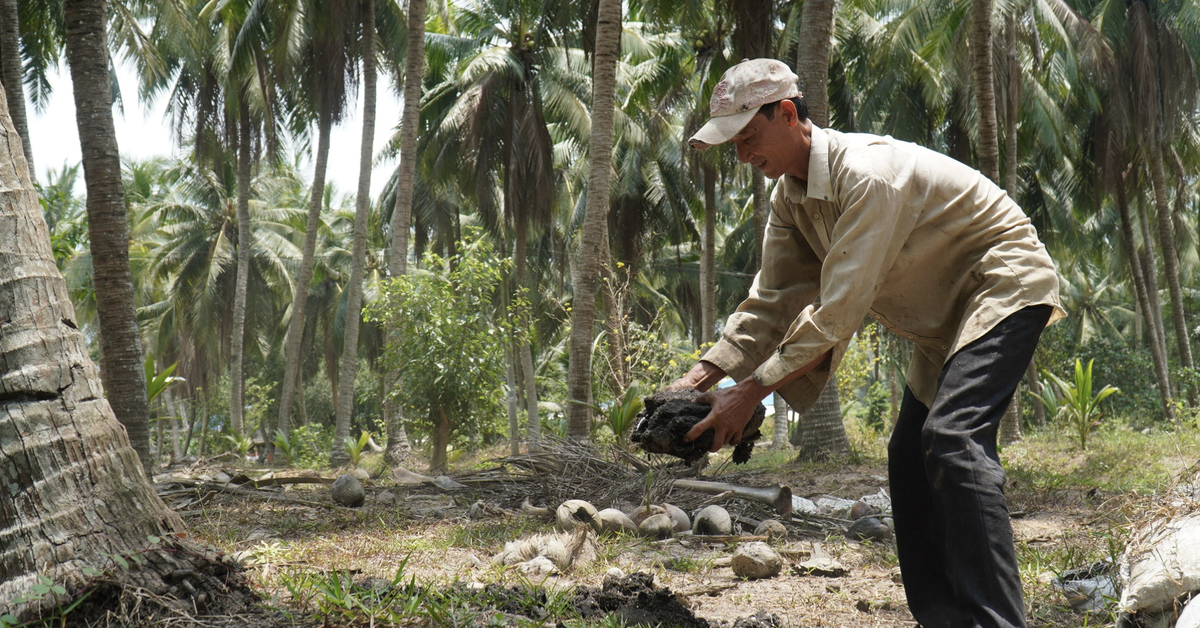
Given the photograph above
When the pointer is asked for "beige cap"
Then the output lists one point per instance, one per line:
(743, 89)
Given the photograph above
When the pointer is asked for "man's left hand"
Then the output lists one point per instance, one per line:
(731, 409)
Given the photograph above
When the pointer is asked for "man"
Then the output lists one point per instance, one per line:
(937, 253)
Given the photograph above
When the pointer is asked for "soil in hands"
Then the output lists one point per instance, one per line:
(669, 415)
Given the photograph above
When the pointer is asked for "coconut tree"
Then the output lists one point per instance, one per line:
(120, 345)
(362, 203)
(321, 75)
(92, 497)
(12, 74)
(593, 237)
(414, 67)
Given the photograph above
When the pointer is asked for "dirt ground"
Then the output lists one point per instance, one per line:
(435, 541)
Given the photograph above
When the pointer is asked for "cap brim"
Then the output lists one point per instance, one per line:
(722, 129)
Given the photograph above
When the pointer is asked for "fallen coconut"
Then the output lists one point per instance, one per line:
(575, 511)
(756, 560)
(713, 520)
(657, 527)
(612, 521)
(679, 519)
(773, 529)
(641, 512)
(670, 414)
(348, 491)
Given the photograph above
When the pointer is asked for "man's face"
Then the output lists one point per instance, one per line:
(767, 144)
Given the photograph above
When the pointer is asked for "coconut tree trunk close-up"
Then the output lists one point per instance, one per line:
(414, 67)
(362, 207)
(593, 237)
(76, 491)
(237, 340)
(988, 148)
(812, 57)
(12, 76)
(821, 434)
(108, 224)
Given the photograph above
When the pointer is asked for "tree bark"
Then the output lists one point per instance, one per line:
(12, 76)
(108, 226)
(708, 257)
(237, 340)
(525, 373)
(75, 490)
(812, 57)
(1157, 354)
(406, 172)
(514, 423)
(821, 433)
(1166, 236)
(295, 332)
(1010, 422)
(362, 206)
(593, 238)
(762, 214)
(782, 410)
(441, 438)
(1150, 272)
(988, 150)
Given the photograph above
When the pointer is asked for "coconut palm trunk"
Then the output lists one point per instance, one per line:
(295, 332)
(525, 373)
(362, 205)
(76, 491)
(782, 410)
(821, 433)
(1166, 239)
(988, 149)
(414, 67)
(237, 340)
(812, 57)
(593, 237)
(108, 225)
(1139, 283)
(708, 259)
(12, 75)
(1150, 275)
(1010, 422)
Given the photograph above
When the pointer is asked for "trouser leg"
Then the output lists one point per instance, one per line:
(920, 544)
(957, 445)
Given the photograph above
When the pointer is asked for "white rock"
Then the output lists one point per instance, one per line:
(1190, 617)
(756, 560)
(614, 572)
(360, 474)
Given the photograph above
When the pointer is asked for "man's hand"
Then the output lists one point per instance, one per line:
(732, 409)
(702, 377)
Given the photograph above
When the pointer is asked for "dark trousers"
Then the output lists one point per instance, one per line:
(953, 535)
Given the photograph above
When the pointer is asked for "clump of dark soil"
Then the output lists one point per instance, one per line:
(669, 415)
(636, 601)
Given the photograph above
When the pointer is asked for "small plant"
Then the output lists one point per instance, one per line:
(1078, 405)
(286, 446)
(354, 447)
(623, 413)
(240, 443)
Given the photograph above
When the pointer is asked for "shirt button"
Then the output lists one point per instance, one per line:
(943, 347)
(816, 216)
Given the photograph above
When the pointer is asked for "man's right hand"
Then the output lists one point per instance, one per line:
(702, 377)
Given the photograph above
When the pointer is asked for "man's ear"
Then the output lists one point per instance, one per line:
(788, 109)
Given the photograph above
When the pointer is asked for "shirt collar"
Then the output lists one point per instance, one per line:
(818, 186)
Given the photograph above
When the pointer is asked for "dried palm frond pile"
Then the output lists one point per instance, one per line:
(613, 478)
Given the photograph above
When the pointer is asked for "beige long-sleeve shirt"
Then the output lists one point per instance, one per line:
(931, 248)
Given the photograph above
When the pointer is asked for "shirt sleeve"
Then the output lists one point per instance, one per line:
(788, 281)
(865, 243)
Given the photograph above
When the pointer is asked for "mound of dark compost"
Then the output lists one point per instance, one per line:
(670, 414)
(636, 601)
